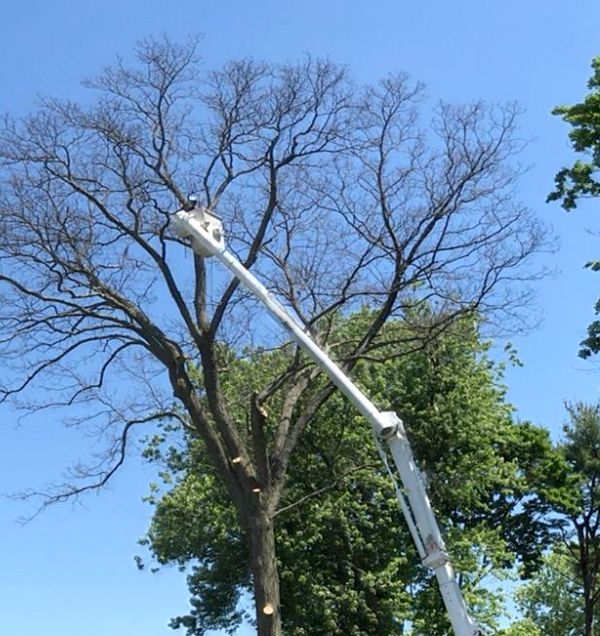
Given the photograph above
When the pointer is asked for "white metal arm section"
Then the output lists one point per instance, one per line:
(205, 231)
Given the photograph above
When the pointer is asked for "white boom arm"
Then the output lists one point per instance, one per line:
(205, 232)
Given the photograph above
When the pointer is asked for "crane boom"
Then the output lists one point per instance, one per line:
(205, 231)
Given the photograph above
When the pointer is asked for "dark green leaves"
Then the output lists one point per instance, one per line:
(345, 554)
(581, 180)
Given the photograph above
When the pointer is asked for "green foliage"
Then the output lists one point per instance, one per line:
(194, 520)
(522, 628)
(347, 563)
(551, 601)
(582, 447)
(562, 599)
(573, 490)
(581, 180)
(591, 344)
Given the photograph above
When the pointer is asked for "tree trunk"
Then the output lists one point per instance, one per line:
(588, 613)
(263, 564)
(588, 599)
(589, 618)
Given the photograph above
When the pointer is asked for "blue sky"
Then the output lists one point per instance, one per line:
(72, 569)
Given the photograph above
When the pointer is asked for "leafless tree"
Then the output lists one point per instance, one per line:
(338, 196)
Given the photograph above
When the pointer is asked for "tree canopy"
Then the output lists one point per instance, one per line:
(551, 601)
(575, 504)
(581, 179)
(562, 597)
(345, 554)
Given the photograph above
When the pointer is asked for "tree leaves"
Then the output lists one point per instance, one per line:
(344, 551)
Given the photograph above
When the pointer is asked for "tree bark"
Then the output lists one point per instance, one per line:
(588, 605)
(263, 564)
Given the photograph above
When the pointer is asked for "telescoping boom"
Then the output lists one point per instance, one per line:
(205, 232)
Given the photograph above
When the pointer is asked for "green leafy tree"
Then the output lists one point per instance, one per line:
(552, 600)
(346, 561)
(523, 627)
(582, 179)
(573, 494)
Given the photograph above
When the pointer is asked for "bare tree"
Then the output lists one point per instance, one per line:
(339, 196)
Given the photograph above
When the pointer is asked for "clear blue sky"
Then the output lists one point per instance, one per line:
(71, 571)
